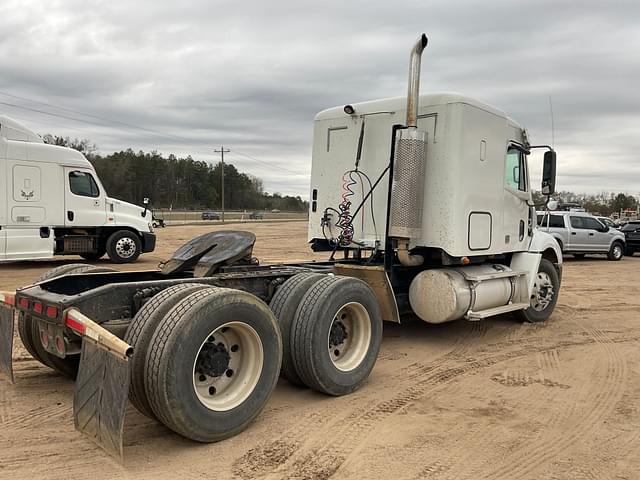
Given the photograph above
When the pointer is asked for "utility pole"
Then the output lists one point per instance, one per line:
(222, 151)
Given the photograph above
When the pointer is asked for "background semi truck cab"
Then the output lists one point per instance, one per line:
(53, 203)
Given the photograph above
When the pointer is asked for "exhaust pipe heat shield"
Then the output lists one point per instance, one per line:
(407, 194)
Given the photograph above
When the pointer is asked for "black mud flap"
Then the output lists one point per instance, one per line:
(6, 340)
(100, 396)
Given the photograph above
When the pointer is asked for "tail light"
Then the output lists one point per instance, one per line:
(37, 307)
(8, 298)
(51, 312)
(24, 303)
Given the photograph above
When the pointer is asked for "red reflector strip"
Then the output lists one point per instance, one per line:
(37, 307)
(24, 303)
(52, 312)
(8, 298)
(75, 325)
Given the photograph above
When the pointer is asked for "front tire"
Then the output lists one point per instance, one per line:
(616, 252)
(124, 246)
(336, 335)
(544, 296)
(213, 363)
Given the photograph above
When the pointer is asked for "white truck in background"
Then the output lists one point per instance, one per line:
(52, 203)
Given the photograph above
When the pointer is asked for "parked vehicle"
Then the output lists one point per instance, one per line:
(632, 236)
(157, 220)
(580, 233)
(210, 216)
(53, 203)
(256, 216)
(194, 343)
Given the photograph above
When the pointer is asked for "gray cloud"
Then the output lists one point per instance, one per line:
(252, 75)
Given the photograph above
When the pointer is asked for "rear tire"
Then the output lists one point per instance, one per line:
(284, 305)
(336, 335)
(212, 363)
(28, 329)
(616, 252)
(140, 332)
(124, 246)
(545, 295)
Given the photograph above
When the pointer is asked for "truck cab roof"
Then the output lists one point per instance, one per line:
(13, 130)
(395, 104)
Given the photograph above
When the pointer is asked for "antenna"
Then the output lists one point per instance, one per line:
(553, 130)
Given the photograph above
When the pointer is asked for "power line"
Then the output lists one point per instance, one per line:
(130, 125)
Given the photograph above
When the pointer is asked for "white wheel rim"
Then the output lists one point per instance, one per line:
(617, 251)
(125, 247)
(349, 336)
(542, 292)
(233, 381)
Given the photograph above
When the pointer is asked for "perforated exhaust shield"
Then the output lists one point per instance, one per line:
(407, 194)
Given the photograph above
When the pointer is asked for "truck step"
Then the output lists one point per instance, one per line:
(491, 276)
(490, 312)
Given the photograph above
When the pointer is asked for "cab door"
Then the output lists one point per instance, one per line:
(84, 201)
(579, 234)
(516, 201)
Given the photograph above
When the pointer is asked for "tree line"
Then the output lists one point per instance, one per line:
(604, 203)
(178, 183)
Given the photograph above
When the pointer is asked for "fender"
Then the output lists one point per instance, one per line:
(543, 245)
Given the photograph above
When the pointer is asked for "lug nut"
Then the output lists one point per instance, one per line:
(234, 348)
(336, 352)
(229, 373)
(212, 390)
(202, 378)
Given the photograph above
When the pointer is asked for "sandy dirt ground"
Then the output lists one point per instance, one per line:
(495, 399)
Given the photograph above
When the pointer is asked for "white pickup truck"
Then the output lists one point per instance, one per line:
(580, 233)
(52, 203)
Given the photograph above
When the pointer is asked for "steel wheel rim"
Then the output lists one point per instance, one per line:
(246, 359)
(543, 292)
(125, 247)
(349, 336)
(617, 251)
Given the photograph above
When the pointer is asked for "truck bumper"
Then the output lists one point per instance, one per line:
(148, 242)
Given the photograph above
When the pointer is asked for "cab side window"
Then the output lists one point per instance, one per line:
(515, 170)
(83, 184)
(591, 223)
(576, 222)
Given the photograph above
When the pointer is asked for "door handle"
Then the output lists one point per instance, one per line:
(591, 234)
(70, 215)
(573, 233)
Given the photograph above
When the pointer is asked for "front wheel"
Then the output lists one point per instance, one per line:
(124, 246)
(616, 252)
(544, 296)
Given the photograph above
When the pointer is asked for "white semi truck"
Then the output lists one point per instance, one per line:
(425, 205)
(53, 203)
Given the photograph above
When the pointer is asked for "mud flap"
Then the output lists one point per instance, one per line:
(6, 340)
(102, 385)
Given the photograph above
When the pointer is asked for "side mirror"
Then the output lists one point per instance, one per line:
(604, 229)
(549, 173)
(145, 201)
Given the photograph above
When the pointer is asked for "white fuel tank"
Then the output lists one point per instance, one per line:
(444, 294)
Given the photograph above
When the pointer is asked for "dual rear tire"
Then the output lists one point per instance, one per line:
(205, 360)
(332, 331)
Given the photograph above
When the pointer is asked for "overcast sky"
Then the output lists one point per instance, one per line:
(184, 77)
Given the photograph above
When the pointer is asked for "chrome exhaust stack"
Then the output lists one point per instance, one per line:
(407, 191)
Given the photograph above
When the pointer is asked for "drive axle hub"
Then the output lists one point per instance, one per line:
(338, 334)
(213, 359)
